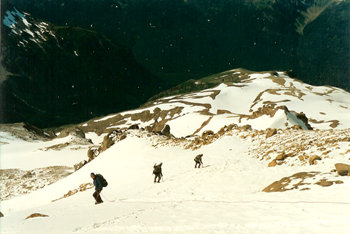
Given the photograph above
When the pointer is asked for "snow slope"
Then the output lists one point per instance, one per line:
(225, 196)
(262, 100)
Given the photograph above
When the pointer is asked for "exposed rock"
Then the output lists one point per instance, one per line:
(303, 118)
(38, 131)
(27, 132)
(106, 143)
(81, 188)
(312, 159)
(285, 184)
(166, 130)
(270, 132)
(246, 127)
(80, 165)
(1, 215)
(324, 183)
(34, 215)
(15, 182)
(73, 131)
(342, 169)
(134, 126)
(92, 153)
(123, 136)
(273, 163)
(296, 127)
(207, 133)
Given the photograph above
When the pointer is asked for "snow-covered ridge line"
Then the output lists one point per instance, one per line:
(254, 100)
(22, 24)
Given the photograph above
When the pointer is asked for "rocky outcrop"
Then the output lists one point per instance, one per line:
(1, 215)
(134, 126)
(303, 118)
(342, 169)
(80, 165)
(92, 153)
(106, 143)
(297, 181)
(73, 131)
(166, 131)
(27, 132)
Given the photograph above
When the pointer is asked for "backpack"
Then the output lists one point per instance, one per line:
(157, 169)
(103, 180)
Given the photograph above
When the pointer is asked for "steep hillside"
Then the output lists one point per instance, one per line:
(266, 165)
(180, 40)
(60, 74)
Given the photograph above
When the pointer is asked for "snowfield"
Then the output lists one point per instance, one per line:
(254, 179)
(225, 196)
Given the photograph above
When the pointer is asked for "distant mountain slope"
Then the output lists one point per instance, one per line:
(61, 74)
(180, 40)
(262, 100)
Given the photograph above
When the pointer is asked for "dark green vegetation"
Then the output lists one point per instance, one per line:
(175, 40)
(72, 75)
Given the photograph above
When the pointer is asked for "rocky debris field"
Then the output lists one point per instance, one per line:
(16, 182)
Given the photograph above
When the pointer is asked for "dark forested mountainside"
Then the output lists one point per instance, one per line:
(174, 40)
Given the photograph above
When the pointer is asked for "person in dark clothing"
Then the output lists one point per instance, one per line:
(198, 160)
(157, 171)
(98, 188)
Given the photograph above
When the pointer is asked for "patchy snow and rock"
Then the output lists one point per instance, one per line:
(265, 170)
(262, 100)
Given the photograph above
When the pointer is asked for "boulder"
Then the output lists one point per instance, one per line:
(273, 163)
(270, 132)
(312, 159)
(36, 215)
(342, 169)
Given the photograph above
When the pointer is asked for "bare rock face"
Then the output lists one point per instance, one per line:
(312, 159)
(166, 130)
(74, 131)
(342, 169)
(34, 215)
(107, 142)
(92, 153)
(303, 118)
(1, 215)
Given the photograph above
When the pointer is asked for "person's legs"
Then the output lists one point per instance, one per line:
(97, 197)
